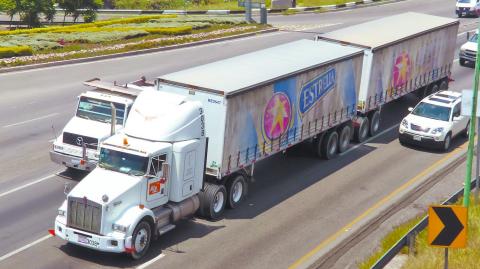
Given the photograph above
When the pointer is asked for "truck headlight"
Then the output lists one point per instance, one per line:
(61, 212)
(405, 123)
(57, 147)
(120, 228)
(438, 130)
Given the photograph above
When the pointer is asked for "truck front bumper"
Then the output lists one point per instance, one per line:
(117, 242)
(72, 161)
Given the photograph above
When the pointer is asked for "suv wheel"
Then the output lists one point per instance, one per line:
(447, 142)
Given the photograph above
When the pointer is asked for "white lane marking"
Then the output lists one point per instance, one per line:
(27, 185)
(144, 265)
(27, 121)
(8, 255)
(370, 139)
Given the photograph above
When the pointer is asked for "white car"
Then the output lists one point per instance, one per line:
(466, 8)
(468, 51)
(435, 121)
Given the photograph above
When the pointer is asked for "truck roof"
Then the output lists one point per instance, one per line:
(129, 90)
(247, 71)
(389, 30)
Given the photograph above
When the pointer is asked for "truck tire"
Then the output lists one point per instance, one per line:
(447, 142)
(374, 119)
(361, 132)
(212, 201)
(444, 85)
(434, 88)
(236, 189)
(329, 145)
(344, 137)
(141, 239)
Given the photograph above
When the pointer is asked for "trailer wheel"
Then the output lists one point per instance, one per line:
(443, 85)
(435, 88)
(141, 240)
(212, 201)
(344, 137)
(361, 132)
(237, 189)
(374, 123)
(329, 145)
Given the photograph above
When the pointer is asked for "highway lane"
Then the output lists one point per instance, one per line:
(271, 194)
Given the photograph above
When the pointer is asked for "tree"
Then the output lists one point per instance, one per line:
(30, 11)
(9, 7)
(88, 8)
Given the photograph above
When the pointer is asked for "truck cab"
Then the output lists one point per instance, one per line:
(468, 51)
(466, 8)
(148, 177)
(78, 144)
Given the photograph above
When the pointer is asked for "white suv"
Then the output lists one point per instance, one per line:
(434, 121)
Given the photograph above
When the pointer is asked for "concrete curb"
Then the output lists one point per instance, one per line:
(132, 53)
(322, 256)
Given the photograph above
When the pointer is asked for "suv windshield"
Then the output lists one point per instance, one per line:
(473, 38)
(432, 111)
(465, 1)
(99, 110)
(123, 162)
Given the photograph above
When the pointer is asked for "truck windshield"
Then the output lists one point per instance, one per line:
(99, 110)
(123, 162)
(432, 111)
(474, 38)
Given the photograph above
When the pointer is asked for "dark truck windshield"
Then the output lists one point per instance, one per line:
(99, 110)
(123, 162)
(432, 111)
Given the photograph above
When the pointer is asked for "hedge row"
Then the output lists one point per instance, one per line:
(140, 19)
(7, 52)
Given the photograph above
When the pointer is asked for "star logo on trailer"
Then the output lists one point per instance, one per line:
(277, 116)
(401, 70)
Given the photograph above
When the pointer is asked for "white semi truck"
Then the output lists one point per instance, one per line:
(191, 146)
(78, 145)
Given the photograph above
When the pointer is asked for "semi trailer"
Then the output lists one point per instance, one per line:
(190, 145)
(78, 144)
(405, 53)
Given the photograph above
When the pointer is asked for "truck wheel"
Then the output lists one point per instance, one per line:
(361, 132)
(330, 145)
(447, 142)
(212, 201)
(434, 88)
(443, 85)
(374, 123)
(141, 240)
(344, 137)
(462, 62)
(237, 189)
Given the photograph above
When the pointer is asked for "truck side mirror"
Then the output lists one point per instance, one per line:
(166, 170)
(468, 36)
(66, 188)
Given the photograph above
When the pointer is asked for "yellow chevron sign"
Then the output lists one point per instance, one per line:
(447, 226)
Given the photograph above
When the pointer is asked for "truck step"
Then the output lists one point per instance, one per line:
(165, 229)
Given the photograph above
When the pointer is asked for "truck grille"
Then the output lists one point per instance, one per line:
(76, 140)
(84, 214)
(419, 128)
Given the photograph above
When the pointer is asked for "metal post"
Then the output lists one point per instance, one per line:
(446, 259)
(248, 11)
(263, 14)
(478, 165)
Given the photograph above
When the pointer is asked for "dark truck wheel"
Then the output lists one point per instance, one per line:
(237, 189)
(361, 131)
(345, 134)
(212, 201)
(329, 145)
(374, 123)
(141, 239)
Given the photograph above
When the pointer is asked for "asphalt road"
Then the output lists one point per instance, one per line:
(296, 202)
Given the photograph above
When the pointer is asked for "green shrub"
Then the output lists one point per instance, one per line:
(170, 31)
(7, 52)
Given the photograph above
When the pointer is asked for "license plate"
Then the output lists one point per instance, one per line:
(88, 241)
(417, 138)
(75, 162)
(464, 13)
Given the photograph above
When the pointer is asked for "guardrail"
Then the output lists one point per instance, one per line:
(409, 238)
